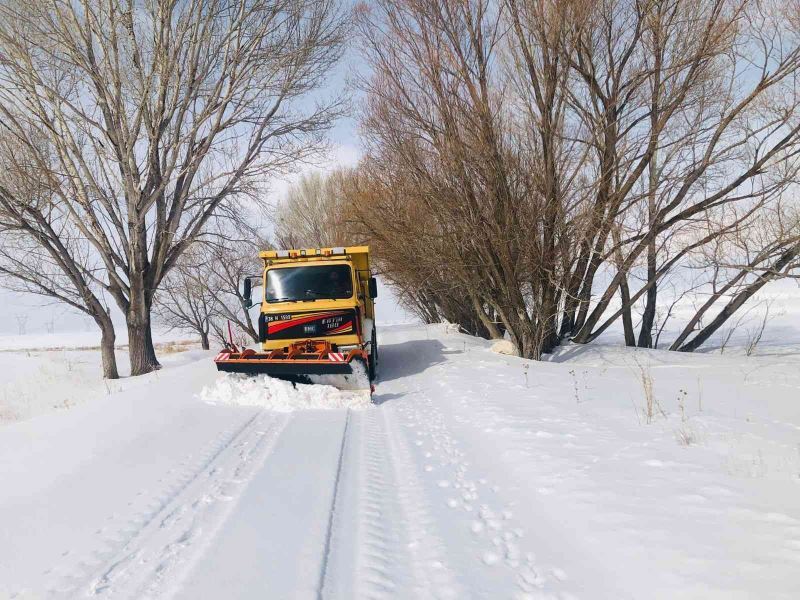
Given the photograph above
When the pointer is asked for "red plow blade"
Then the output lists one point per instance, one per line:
(299, 362)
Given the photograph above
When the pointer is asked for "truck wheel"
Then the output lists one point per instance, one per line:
(373, 356)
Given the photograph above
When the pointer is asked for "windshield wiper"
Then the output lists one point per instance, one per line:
(317, 294)
(327, 297)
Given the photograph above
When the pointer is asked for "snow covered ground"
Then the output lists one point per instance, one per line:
(603, 473)
(43, 373)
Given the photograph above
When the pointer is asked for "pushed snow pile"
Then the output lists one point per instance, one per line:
(504, 347)
(281, 396)
(358, 380)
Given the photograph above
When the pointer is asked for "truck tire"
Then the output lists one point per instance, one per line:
(373, 356)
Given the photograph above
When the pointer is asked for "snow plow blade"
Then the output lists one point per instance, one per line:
(300, 362)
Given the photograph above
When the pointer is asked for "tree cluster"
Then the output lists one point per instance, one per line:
(127, 126)
(543, 169)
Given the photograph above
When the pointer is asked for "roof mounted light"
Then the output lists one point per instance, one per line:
(283, 254)
(338, 250)
(302, 252)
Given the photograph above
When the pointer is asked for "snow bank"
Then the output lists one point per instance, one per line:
(37, 382)
(281, 396)
(504, 347)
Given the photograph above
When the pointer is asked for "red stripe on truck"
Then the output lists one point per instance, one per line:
(275, 327)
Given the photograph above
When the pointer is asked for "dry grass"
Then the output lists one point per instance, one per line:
(175, 347)
(651, 404)
(686, 436)
(163, 347)
(576, 387)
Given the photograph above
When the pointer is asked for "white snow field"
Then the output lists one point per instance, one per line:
(60, 372)
(473, 475)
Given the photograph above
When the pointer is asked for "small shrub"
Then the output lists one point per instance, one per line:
(651, 406)
(686, 436)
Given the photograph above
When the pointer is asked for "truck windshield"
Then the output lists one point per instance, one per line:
(309, 283)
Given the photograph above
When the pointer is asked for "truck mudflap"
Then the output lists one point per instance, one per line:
(299, 362)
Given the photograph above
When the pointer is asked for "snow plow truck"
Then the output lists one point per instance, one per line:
(317, 319)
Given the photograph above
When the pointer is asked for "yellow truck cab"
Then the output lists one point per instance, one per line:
(317, 314)
(316, 293)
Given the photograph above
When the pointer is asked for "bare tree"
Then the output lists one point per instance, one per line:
(721, 112)
(185, 300)
(445, 165)
(313, 214)
(234, 257)
(144, 120)
(22, 324)
(41, 254)
(737, 282)
(203, 292)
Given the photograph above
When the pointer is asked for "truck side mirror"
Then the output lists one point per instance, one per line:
(247, 292)
(373, 288)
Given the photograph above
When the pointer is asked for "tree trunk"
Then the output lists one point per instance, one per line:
(142, 354)
(624, 292)
(491, 329)
(107, 339)
(549, 321)
(700, 313)
(627, 318)
(649, 315)
(204, 340)
(739, 299)
(653, 175)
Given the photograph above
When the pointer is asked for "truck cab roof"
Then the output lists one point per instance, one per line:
(357, 255)
(299, 253)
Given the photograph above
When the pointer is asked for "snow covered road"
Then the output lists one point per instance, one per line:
(475, 475)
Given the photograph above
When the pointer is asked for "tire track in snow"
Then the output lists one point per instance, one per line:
(363, 561)
(164, 551)
(383, 565)
(332, 514)
(383, 543)
(65, 578)
(273, 543)
(160, 546)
